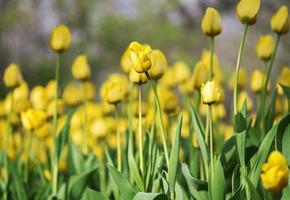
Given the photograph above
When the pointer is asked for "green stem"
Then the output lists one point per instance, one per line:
(119, 153)
(54, 127)
(140, 128)
(157, 102)
(241, 50)
(210, 75)
(211, 141)
(264, 91)
(102, 177)
(85, 139)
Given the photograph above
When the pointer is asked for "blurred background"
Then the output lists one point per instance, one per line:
(103, 29)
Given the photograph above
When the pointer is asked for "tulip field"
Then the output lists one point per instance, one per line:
(156, 130)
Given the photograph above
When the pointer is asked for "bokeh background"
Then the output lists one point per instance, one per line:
(102, 29)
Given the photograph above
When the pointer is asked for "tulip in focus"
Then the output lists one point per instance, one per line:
(211, 24)
(210, 93)
(139, 56)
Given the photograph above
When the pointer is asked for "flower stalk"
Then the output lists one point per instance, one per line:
(140, 128)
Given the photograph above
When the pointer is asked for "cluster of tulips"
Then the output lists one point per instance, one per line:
(178, 142)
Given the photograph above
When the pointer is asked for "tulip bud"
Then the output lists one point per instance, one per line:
(60, 39)
(125, 61)
(210, 93)
(284, 78)
(71, 94)
(211, 24)
(12, 76)
(139, 56)
(200, 74)
(33, 119)
(51, 107)
(138, 78)
(247, 11)
(275, 172)
(265, 47)
(50, 90)
(112, 92)
(80, 68)
(38, 97)
(280, 21)
(158, 64)
(257, 81)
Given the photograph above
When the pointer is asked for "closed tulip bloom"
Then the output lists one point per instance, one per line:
(60, 39)
(112, 92)
(71, 94)
(51, 107)
(275, 172)
(50, 89)
(81, 69)
(12, 76)
(280, 21)
(158, 64)
(125, 61)
(247, 11)
(211, 23)
(284, 78)
(137, 78)
(210, 93)
(257, 81)
(200, 74)
(265, 47)
(139, 56)
(38, 97)
(33, 119)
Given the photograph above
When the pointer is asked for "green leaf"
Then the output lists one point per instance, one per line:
(285, 144)
(174, 156)
(90, 194)
(218, 182)
(286, 90)
(125, 188)
(133, 168)
(195, 185)
(75, 159)
(18, 189)
(241, 146)
(199, 131)
(261, 155)
(254, 193)
(62, 137)
(269, 118)
(150, 196)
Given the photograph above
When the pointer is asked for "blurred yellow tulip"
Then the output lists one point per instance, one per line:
(71, 94)
(211, 23)
(280, 21)
(60, 39)
(137, 78)
(80, 68)
(181, 71)
(247, 11)
(112, 92)
(33, 119)
(125, 61)
(284, 78)
(244, 96)
(38, 97)
(158, 64)
(257, 81)
(12, 76)
(50, 90)
(265, 47)
(51, 107)
(210, 93)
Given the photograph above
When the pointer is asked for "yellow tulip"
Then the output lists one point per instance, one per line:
(257, 81)
(81, 69)
(187, 87)
(50, 90)
(99, 128)
(136, 108)
(137, 78)
(2, 108)
(120, 79)
(38, 97)
(71, 94)
(275, 172)
(168, 80)
(112, 92)
(33, 119)
(125, 61)
(280, 21)
(158, 64)
(205, 58)
(12, 76)
(43, 131)
(210, 93)
(139, 56)
(284, 78)
(200, 74)
(181, 71)
(51, 107)
(247, 11)
(265, 47)
(60, 39)
(211, 23)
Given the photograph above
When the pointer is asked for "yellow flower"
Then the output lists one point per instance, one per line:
(71, 94)
(181, 71)
(44, 130)
(200, 74)
(247, 11)
(50, 90)
(265, 47)
(139, 56)
(90, 91)
(33, 119)
(275, 172)
(99, 128)
(120, 79)
(187, 87)
(210, 92)
(168, 80)
(112, 92)
(136, 108)
(2, 109)
(158, 64)
(284, 78)
(51, 107)
(125, 61)
(257, 81)
(60, 39)
(211, 23)
(38, 97)
(80, 68)
(138, 78)
(280, 21)
(12, 76)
